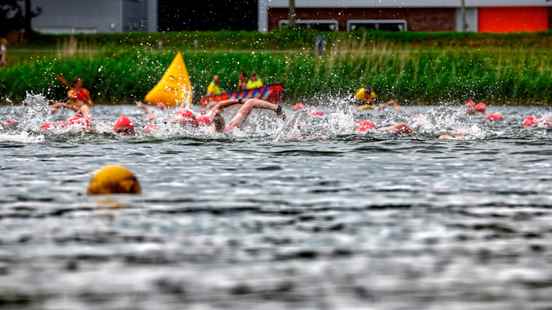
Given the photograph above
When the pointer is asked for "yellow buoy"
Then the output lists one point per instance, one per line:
(174, 87)
(113, 179)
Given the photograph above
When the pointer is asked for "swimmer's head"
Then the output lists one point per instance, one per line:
(219, 123)
(364, 93)
(123, 125)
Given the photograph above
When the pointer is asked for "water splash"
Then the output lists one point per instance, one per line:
(324, 118)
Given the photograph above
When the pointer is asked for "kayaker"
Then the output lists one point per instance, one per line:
(242, 82)
(254, 82)
(366, 99)
(214, 88)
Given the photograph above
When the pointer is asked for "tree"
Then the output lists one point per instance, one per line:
(291, 15)
(30, 13)
(17, 15)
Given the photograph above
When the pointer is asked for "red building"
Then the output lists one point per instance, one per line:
(411, 15)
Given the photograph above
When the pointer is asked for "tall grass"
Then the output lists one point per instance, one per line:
(420, 75)
(289, 39)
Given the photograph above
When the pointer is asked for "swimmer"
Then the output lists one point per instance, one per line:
(242, 82)
(365, 126)
(214, 115)
(474, 108)
(214, 88)
(214, 119)
(77, 95)
(366, 99)
(454, 135)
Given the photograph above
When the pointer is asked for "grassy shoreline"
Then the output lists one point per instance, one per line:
(408, 70)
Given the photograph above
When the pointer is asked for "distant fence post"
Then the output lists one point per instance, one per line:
(464, 16)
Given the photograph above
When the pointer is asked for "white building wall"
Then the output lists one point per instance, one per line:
(263, 15)
(153, 15)
(62, 16)
(73, 16)
(472, 20)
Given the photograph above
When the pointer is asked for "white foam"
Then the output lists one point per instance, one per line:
(21, 137)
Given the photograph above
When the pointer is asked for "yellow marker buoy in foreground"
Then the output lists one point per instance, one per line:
(113, 179)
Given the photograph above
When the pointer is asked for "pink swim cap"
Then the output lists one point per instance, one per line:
(317, 114)
(123, 125)
(149, 128)
(204, 120)
(364, 126)
(481, 107)
(298, 106)
(495, 117)
(530, 121)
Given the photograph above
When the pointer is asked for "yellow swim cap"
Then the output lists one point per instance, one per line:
(113, 179)
(360, 94)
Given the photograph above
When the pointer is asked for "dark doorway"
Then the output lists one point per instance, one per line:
(208, 15)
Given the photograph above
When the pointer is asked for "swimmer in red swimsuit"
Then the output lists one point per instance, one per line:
(78, 100)
(77, 95)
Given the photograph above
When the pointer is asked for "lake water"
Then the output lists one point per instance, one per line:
(303, 214)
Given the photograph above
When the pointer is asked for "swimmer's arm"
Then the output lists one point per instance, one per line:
(221, 105)
(85, 110)
(58, 105)
(63, 81)
(70, 107)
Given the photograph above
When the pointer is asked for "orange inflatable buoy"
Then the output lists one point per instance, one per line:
(175, 86)
(113, 179)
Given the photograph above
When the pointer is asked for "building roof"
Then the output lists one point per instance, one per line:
(404, 3)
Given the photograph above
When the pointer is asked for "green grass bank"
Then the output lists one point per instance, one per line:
(415, 67)
(414, 75)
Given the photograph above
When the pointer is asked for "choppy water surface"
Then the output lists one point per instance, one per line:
(305, 216)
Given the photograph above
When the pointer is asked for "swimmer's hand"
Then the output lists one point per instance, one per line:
(280, 112)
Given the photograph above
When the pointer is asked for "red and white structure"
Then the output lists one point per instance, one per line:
(411, 15)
